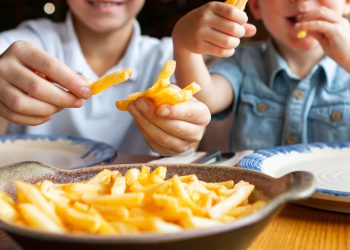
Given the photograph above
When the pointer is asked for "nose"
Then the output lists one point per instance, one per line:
(305, 5)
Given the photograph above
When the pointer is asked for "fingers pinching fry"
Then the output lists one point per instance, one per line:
(161, 92)
(139, 201)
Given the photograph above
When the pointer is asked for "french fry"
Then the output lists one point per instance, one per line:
(33, 195)
(161, 91)
(301, 34)
(110, 80)
(141, 201)
(128, 199)
(8, 212)
(237, 3)
(241, 192)
(35, 218)
(77, 220)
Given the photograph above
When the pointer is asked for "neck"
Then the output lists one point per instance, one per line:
(301, 63)
(103, 50)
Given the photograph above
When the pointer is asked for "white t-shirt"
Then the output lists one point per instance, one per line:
(98, 119)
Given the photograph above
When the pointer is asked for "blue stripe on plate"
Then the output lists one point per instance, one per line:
(254, 161)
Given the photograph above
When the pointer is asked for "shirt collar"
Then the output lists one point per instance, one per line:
(78, 61)
(329, 67)
(276, 64)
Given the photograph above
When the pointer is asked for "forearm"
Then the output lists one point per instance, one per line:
(192, 68)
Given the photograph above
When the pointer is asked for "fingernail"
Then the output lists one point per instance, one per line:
(164, 111)
(85, 92)
(79, 103)
(142, 105)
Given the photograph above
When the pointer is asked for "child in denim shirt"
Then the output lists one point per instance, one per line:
(285, 91)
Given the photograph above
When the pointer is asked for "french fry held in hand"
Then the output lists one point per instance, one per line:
(161, 92)
(240, 4)
(140, 201)
(110, 80)
(301, 34)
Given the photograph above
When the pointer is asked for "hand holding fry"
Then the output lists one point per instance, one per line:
(212, 29)
(171, 129)
(29, 80)
(140, 201)
(331, 30)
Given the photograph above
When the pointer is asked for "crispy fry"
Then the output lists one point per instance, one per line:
(161, 91)
(140, 201)
(110, 80)
(237, 3)
(35, 218)
(301, 34)
(7, 212)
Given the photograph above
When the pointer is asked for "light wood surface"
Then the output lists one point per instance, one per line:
(298, 227)
(295, 228)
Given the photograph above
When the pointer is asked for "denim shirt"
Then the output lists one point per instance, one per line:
(275, 107)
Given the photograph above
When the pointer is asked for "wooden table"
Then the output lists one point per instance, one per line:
(296, 227)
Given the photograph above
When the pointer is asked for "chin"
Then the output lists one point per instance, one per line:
(305, 44)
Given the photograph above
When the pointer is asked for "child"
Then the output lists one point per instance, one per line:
(285, 91)
(97, 38)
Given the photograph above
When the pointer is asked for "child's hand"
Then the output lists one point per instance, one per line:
(27, 93)
(331, 30)
(212, 29)
(171, 129)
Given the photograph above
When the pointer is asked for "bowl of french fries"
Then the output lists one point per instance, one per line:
(135, 206)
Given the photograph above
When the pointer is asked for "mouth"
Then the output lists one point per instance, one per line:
(105, 4)
(292, 20)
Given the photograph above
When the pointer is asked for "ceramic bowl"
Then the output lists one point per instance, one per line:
(238, 234)
(58, 150)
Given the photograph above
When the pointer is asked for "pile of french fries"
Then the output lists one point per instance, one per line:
(161, 91)
(141, 201)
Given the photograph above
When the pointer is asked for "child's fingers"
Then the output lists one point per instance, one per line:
(183, 130)
(23, 104)
(222, 40)
(229, 12)
(192, 111)
(14, 117)
(322, 13)
(250, 30)
(323, 27)
(51, 67)
(37, 87)
(156, 134)
(228, 27)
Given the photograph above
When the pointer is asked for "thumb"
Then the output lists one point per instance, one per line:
(250, 30)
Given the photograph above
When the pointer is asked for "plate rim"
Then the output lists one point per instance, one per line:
(109, 152)
(255, 160)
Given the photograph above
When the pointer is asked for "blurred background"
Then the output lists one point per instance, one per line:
(157, 19)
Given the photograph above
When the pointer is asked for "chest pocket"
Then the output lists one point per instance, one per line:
(329, 123)
(258, 122)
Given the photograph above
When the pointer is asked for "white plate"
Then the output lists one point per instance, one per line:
(59, 151)
(329, 162)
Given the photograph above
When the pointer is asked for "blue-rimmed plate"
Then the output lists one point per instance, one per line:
(329, 162)
(59, 151)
